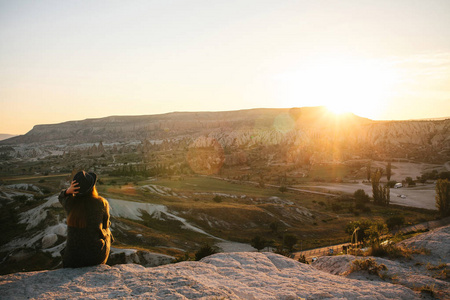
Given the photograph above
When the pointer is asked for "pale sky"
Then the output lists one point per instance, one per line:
(72, 60)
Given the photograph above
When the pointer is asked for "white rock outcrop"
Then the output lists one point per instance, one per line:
(49, 240)
(246, 275)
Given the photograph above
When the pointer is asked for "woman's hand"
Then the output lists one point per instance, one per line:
(73, 188)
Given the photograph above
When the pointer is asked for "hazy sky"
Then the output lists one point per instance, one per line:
(72, 60)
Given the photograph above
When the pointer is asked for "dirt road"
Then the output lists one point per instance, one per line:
(421, 196)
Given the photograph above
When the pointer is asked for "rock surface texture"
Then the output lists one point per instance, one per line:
(247, 275)
(230, 276)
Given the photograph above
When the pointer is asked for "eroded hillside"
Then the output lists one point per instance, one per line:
(308, 130)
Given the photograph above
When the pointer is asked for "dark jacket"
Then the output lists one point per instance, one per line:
(90, 245)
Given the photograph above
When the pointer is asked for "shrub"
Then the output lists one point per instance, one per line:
(375, 233)
(438, 267)
(302, 259)
(344, 198)
(20, 198)
(428, 289)
(361, 196)
(46, 190)
(381, 195)
(443, 274)
(444, 175)
(360, 206)
(370, 265)
(367, 209)
(395, 221)
(443, 197)
(217, 199)
(205, 250)
(274, 227)
(185, 257)
(391, 183)
(363, 232)
(281, 251)
(336, 207)
(39, 197)
(283, 189)
(258, 243)
(393, 251)
(289, 241)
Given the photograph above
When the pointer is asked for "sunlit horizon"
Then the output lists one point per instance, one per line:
(64, 61)
(333, 110)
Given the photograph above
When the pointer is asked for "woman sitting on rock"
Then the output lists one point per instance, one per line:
(88, 233)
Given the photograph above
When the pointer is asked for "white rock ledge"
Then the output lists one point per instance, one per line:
(245, 275)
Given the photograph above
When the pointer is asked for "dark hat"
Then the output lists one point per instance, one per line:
(86, 182)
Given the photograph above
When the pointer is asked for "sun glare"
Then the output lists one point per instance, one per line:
(337, 108)
(362, 87)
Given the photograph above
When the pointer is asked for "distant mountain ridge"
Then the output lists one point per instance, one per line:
(4, 136)
(311, 130)
(120, 128)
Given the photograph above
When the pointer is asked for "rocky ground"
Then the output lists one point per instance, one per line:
(247, 275)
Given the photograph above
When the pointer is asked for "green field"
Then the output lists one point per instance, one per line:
(230, 210)
(246, 210)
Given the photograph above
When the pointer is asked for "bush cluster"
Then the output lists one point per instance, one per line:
(204, 251)
(370, 265)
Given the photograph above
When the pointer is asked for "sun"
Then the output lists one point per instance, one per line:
(338, 109)
(343, 85)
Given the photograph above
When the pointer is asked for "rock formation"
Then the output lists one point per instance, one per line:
(303, 128)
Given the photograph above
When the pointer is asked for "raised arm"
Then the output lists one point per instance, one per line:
(72, 190)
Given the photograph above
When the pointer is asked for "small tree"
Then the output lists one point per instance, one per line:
(368, 171)
(364, 225)
(395, 221)
(204, 251)
(391, 183)
(381, 170)
(283, 189)
(388, 171)
(410, 181)
(289, 241)
(443, 197)
(258, 243)
(381, 195)
(376, 187)
(361, 196)
(375, 232)
(302, 259)
(274, 227)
